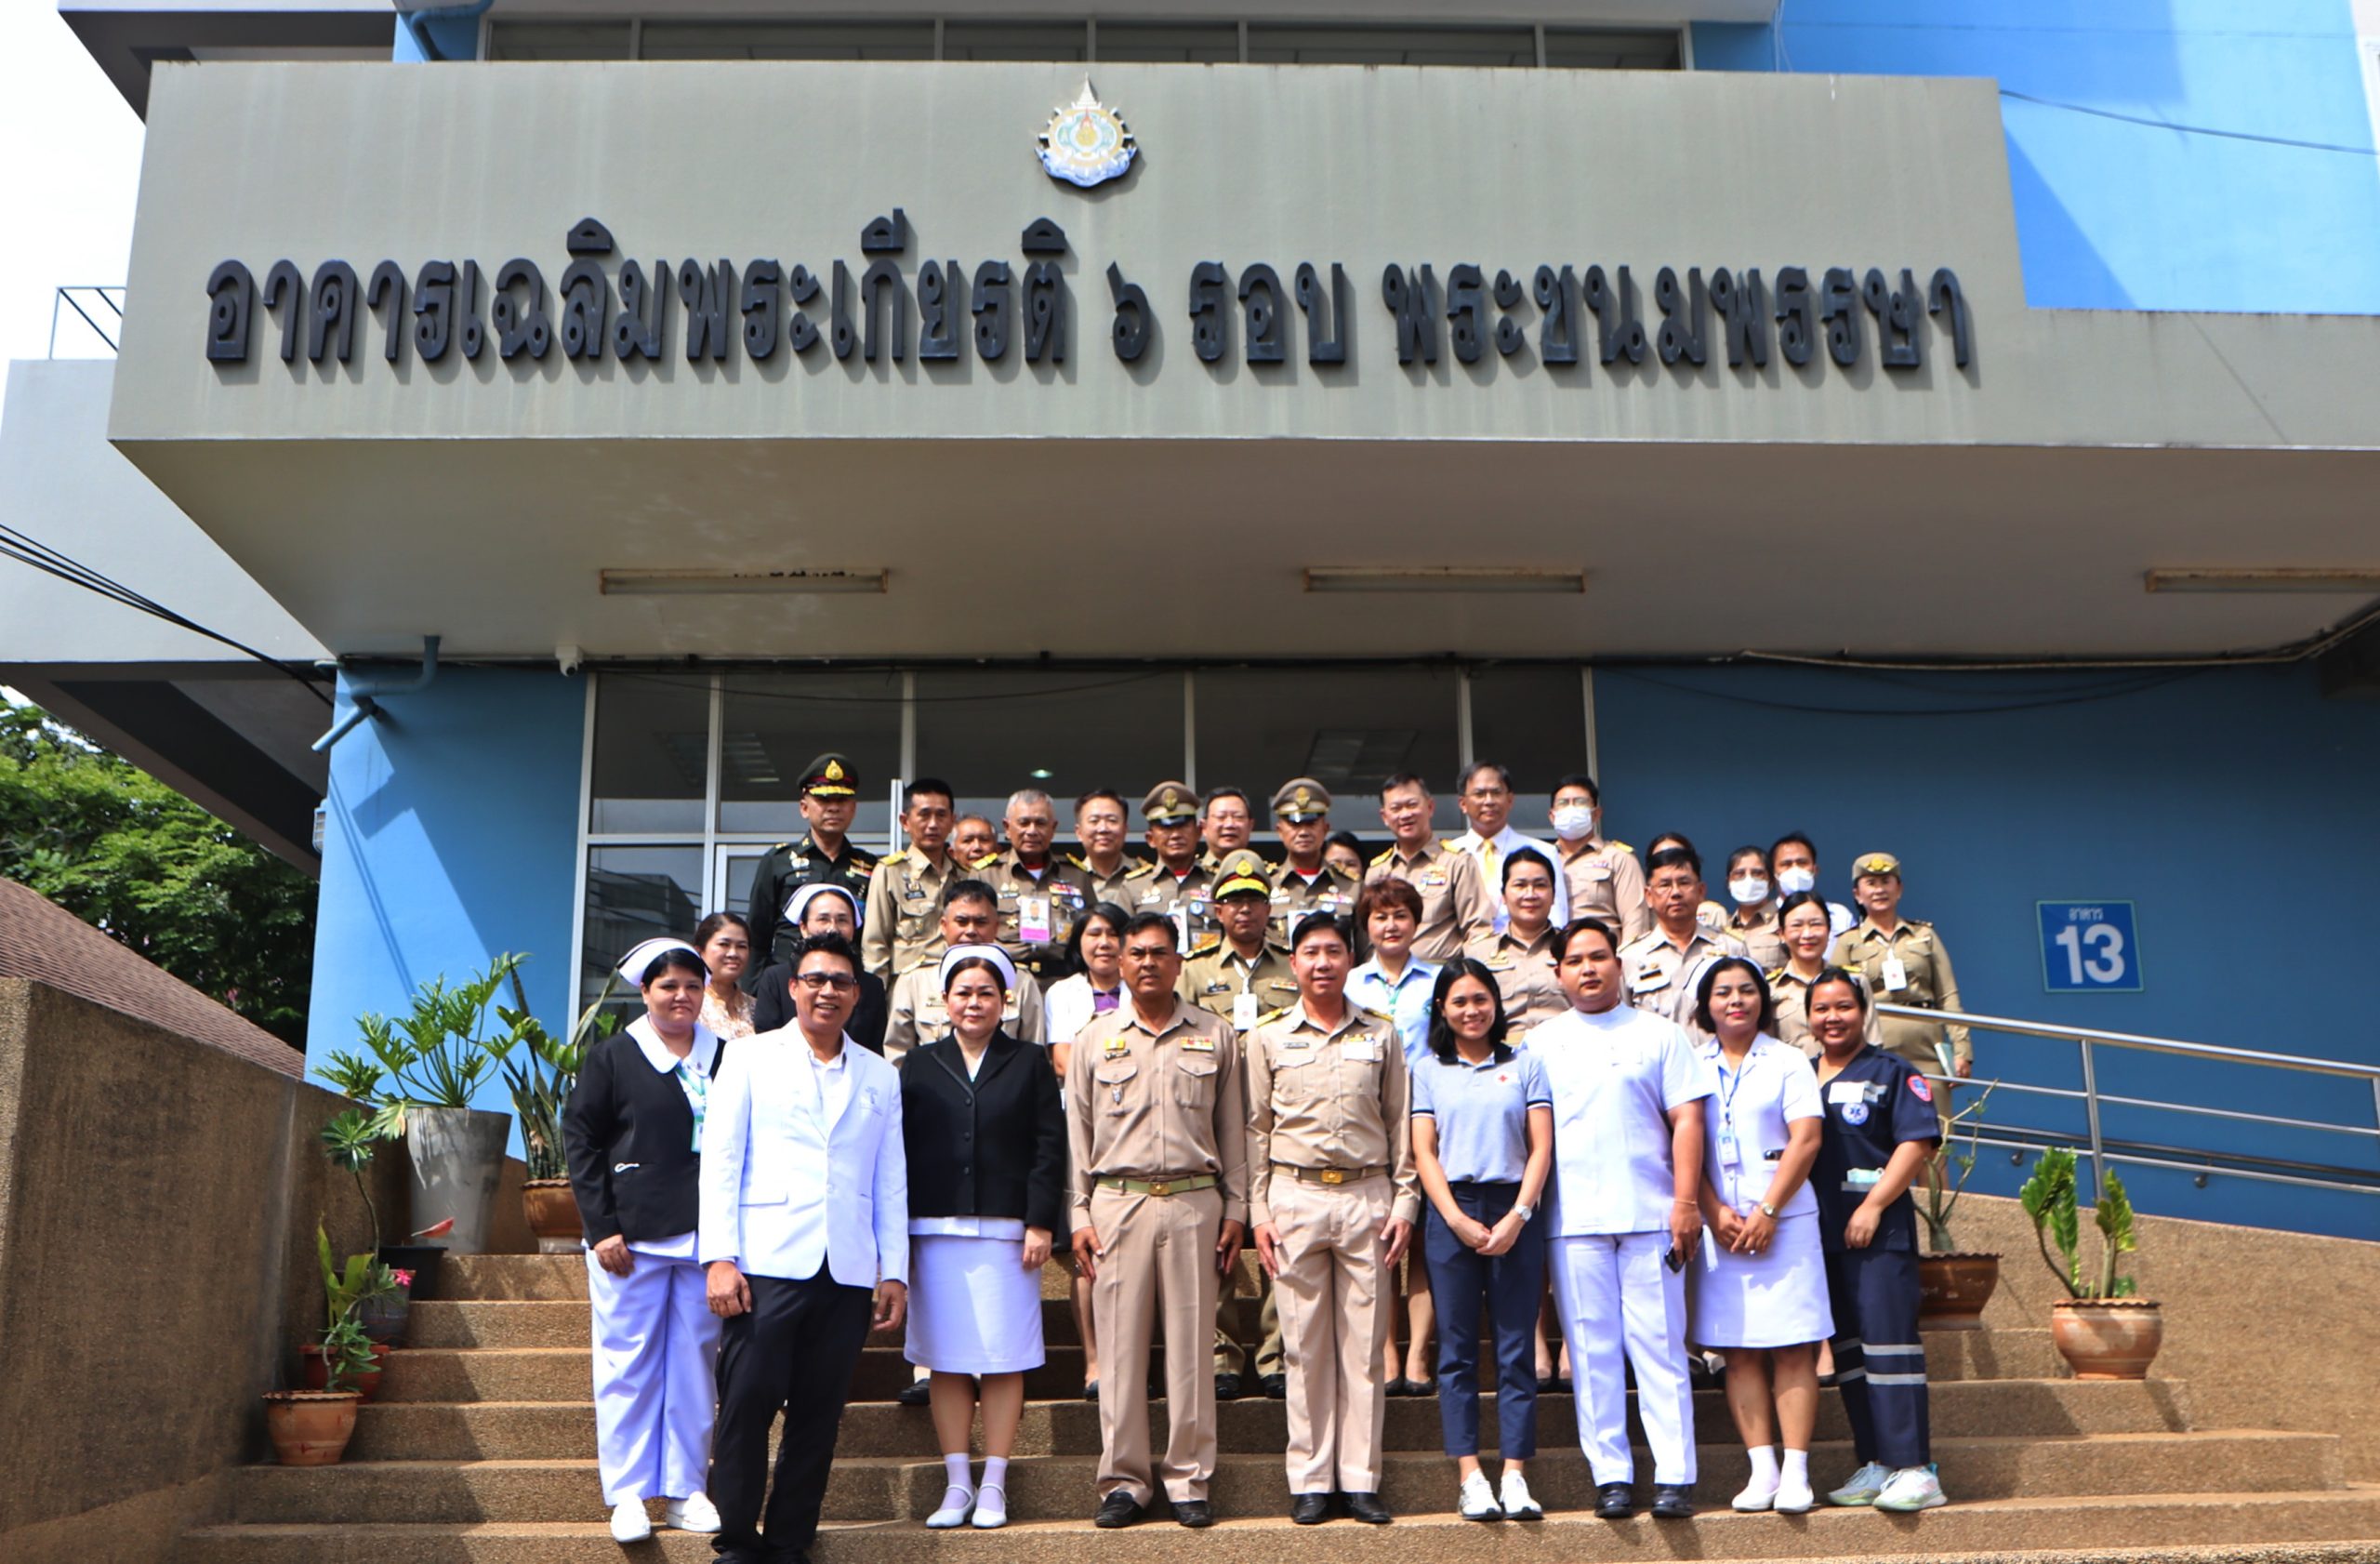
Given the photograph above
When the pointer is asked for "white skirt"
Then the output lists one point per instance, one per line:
(973, 1308)
(1773, 1299)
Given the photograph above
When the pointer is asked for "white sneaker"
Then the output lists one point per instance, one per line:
(1519, 1504)
(956, 1503)
(1793, 1496)
(1757, 1495)
(692, 1513)
(630, 1523)
(1912, 1488)
(1477, 1500)
(1865, 1484)
(991, 1509)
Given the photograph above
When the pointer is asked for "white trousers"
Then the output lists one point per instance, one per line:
(655, 1340)
(1616, 1295)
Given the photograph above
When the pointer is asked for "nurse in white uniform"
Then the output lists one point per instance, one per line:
(1629, 1095)
(632, 1134)
(1759, 1279)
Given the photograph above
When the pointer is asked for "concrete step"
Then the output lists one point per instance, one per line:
(529, 1430)
(508, 1332)
(2284, 1528)
(1047, 1488)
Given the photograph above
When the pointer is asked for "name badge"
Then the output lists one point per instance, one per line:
(1649, 978)
(1297, 1041)
(1243, 1010)
(1033, 920)
(1895, 975)
(1846, 1091)
(1196, 1044)
(1363, 1050)
(1435, 880)
(1116, 1047)
(914, 891)
(1862, 1178)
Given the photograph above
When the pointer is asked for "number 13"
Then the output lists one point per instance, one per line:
(2105, 964)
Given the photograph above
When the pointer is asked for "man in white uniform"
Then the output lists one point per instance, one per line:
(1485, 800)
(1628, 1104)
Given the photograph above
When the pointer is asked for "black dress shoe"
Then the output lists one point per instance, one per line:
(1227, 1387)
(1614, 1500)
(917, 1393)
(1423, 1387)
(1367, 1508)
(1091, 1392)
(1672, 1501)
(1277, 1387)
(1119, 1508)
(1310, 1509)
(1400, 1385)
(1197, 1514)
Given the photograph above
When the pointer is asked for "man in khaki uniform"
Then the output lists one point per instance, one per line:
(916, 1011)
(975, 841)
(1102, 866)
(904, 925)
(1602, 875)
(1225, 824)
(1157, 1124)
(1332, 1194)
(1177, 883)
(1305, 882)
(1040, 896)
(1664, 965)
(1455, 905)
(1905, 963)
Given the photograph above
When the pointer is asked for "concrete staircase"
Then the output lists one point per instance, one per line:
(481, 1449)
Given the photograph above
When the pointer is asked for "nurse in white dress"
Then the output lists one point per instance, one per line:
(1759, 1289)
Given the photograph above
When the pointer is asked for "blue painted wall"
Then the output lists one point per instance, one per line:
(2223, 803)
(451, 837)
(2113, 214)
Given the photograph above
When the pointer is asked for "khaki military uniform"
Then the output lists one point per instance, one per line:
(916, 1013)
(1294, 895)
(1763, 938)
(1925, 981)
(1456, 908)
(1099, 887)
(1525, 975)
(1792, 995)
(1185, 898)
(1330, 1160)
(1151, 1112)
(1053, 898)
(1221, 980)
(1663, 980)
(789, 867)
(1607, 880)
(902, 928)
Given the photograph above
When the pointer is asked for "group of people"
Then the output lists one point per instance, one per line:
(1504, 1070)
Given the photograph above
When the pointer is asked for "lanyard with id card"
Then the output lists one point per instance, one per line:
(1033, 920)
(1243, 1010)
(1895, 976)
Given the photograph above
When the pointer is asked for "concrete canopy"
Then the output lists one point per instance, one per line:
(2008, 508)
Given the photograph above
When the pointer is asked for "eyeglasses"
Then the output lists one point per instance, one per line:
(814, 981)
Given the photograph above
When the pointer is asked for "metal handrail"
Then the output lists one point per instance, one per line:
(106, 296)
(2362, 1181)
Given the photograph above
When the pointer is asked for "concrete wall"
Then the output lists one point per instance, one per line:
(2113, 214)
(451, 837)
(158, 1200)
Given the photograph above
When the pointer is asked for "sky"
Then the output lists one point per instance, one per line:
(68, 183)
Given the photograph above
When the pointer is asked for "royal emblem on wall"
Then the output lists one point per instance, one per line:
(1086, 143)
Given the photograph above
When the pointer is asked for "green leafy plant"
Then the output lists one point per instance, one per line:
(1947, 1170)
(350, 1141)
(541, 1076)
(362, 1281)
(438, 1054)
(2050, 1196)
(346, 1353)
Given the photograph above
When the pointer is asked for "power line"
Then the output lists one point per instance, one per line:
(2188, 129)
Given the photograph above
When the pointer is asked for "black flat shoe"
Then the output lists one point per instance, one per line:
(1614, 1500)
(1119, 1508)
(1367, 1508)
(1423, 1387)
(1277, 1387)
(1310, 1509)
(917, 1393)
(1227, 1387)
(1197, 1514)
(1091, 1392)
(1672, 1501)
(1398, 1386)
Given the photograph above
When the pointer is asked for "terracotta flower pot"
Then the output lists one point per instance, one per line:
(310, 1427)
(1954, 1289)
(367, 1384)
(2107, 1338)
(552, 1213)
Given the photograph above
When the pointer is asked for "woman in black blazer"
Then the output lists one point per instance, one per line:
(986, 1137)
(632, 1131)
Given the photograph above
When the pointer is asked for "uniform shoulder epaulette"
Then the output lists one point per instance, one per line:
(1619, 845)
(1776, 972)
(1368, 1014)
(1076, 860)
(1272, 1015)
(1208, 945)
(1381, 858)
(1141, 871)
(987, 861)
(1451, 843)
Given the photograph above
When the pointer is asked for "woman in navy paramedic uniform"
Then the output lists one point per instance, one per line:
(1878, 1132)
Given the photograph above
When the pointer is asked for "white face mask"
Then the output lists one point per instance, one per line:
(1574, 821)
(1794, 881)
(1748, 890)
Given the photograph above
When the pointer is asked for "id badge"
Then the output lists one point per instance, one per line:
(1033, 920)
(1243, 1010)
(1180, 926)
(1895, 975)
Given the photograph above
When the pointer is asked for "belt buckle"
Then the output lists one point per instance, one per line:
(1163, 1187)
(1333, 1176)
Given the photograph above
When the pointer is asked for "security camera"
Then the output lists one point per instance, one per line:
(571, 659)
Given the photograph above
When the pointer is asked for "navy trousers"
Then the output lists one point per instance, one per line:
(1462, 1279)
(794, 1350)
(1879, 1357)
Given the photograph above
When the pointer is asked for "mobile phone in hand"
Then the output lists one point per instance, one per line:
(1673, 1259)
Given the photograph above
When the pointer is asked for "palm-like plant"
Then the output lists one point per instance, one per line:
(438, 1054)
(2051, 1199)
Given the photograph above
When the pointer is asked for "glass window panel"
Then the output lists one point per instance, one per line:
(988, 732)
(772, 725)
(636, 893)
(1166, 43)
(1349, 729)
(1014, 40)
(1595, 48)
(652, 742)
(1533, 722)
(1272, 44)
(788, 40)
(558, 40)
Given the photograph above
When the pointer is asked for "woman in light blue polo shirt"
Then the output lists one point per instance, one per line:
(1397, 984)
(1483, 1145)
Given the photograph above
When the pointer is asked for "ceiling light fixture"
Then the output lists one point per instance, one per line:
(1444, 578)
(677, 583)
(2343, 582)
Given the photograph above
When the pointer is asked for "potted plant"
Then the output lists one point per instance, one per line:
(1953, 1284)
(425, 1068)
(349, 1142)
(378, 1293)
(541, 1077)
(2103, 1329)
(311, 1427)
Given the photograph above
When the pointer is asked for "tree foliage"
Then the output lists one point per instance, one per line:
(132, 858)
